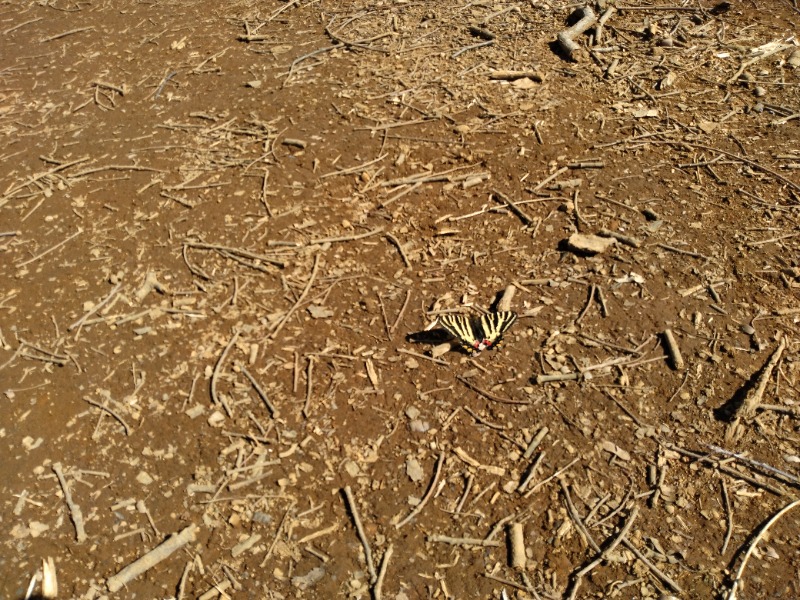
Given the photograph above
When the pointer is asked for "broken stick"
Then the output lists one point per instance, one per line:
(504, 304)
(498, 195)
(351, 503)
(674, 352)
(516, 542)
(74, 510)
(175, 542)
(566, 39)
(428, 494)
(754, 396)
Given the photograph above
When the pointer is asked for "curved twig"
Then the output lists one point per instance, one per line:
(737, 581)
(431, 489)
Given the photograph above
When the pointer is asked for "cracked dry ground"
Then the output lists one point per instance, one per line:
(221, 221)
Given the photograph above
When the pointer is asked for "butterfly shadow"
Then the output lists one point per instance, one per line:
(434, 337)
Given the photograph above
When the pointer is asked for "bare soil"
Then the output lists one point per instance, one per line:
(226, 227)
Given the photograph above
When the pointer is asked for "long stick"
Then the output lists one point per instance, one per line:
(49, 250)
(74, 509)
(737, 581)
(215, 374)
(261, 393)
(431, 490)
(96, 307)
(351, 503)
(175, 542)
(378, 589)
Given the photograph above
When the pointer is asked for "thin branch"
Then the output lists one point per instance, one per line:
(737, 581)
(302, 297)
(215, 374)
(351, 503)
(431, 489)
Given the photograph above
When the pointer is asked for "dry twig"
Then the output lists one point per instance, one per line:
(737, 580)
(378, 589)
(577, 577)
(302, 297)
(512, 207)
(75, 512)
(175, 542)
(431, 489)
(215, 397)
(755, 394)
(261, 393)
(351, 503)
(566, 38)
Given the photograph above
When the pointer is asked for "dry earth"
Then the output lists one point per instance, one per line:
(220, 222)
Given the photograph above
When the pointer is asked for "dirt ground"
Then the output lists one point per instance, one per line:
(226, 227)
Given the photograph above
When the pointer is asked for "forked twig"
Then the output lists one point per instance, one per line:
(302, 297)
(112, 412)
(577, 577)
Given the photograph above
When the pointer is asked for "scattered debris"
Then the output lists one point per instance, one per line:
(212, 274)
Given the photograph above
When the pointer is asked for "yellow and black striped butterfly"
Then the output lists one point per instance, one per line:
(478, 333)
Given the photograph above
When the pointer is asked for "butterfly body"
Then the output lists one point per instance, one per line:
(476, 334)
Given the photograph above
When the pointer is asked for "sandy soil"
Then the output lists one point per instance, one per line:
(225, 230)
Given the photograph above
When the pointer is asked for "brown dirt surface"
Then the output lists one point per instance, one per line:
(227, 231)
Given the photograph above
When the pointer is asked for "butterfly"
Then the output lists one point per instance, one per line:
(478, 333)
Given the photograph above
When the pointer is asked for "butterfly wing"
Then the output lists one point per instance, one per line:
(475, 335)
(462, 328)
(494, 325)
